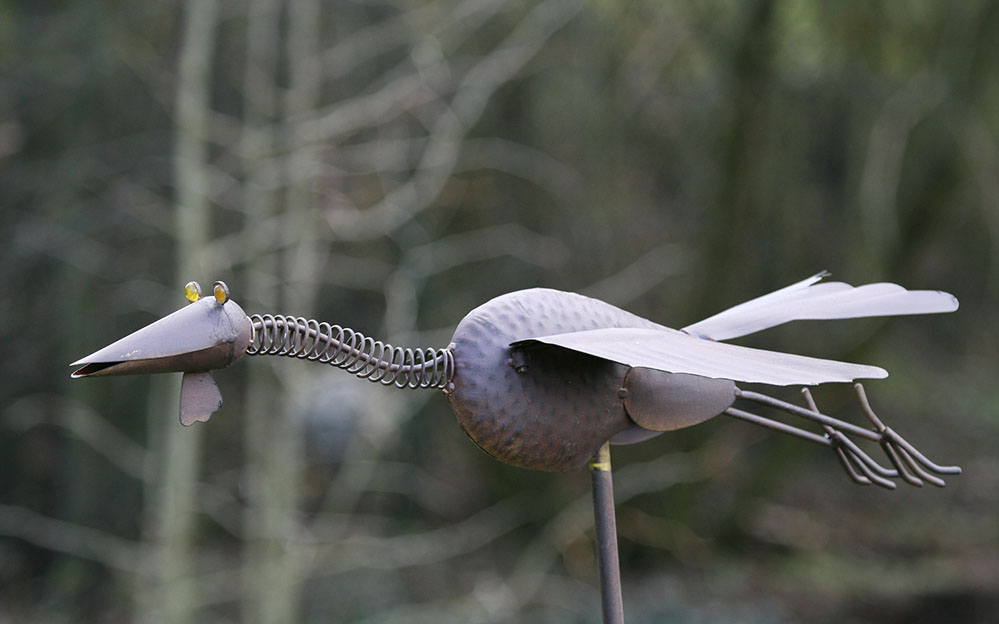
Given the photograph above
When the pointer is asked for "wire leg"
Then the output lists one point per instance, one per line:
(606, 532)
(909, 464)
(854, 468)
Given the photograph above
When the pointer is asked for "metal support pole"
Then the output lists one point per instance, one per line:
(606, 529)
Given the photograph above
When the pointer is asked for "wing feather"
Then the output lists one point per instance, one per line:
(676, 352)
(809, 300)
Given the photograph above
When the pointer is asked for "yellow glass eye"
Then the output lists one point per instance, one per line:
(221, 292)
(192, 291)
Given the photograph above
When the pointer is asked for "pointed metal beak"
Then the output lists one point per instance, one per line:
(202, 336)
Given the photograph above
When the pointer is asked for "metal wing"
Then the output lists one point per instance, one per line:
(807, 300)
(676, 352)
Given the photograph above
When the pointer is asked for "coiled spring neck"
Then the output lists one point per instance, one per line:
(352, 351)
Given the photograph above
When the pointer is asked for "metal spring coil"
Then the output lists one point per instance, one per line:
(350, 350)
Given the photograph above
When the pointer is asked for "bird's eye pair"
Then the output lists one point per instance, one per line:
(193, 291)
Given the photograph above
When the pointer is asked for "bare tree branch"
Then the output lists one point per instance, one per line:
(85, 424)
(508, 240)
(171, 518)
(883, 160)
(446, 134)
(424, 548)
(641, 276)
(982, 156)
(72, 539)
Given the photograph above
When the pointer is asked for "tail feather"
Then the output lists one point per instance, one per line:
(810, 300)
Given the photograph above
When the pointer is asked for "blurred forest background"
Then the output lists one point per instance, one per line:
(389, 165)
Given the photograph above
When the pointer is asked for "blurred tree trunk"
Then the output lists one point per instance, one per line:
(273, 563)
(179, 456)
(262, 402)
(735, 222)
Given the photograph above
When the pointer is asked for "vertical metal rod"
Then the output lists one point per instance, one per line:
(606, 530)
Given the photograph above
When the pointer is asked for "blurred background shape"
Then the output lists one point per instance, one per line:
(391, 165)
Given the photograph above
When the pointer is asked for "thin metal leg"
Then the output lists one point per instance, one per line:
(910, 465)
(606, 529)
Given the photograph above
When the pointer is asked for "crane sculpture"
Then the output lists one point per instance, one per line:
(547, 380)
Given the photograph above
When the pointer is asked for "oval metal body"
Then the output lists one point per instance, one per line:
(661, 401)
(562, 405)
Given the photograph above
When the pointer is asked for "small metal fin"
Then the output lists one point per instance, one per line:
(661, 401)
(199, 398)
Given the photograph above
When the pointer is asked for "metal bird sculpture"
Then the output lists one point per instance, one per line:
(545, 379)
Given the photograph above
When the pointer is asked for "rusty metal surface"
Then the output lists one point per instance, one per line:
(203, 335)
(556, 412)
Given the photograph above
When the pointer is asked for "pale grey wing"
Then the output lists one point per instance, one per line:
(808, 300)
(676, 352)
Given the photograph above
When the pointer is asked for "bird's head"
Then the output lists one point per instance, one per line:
(207, 334)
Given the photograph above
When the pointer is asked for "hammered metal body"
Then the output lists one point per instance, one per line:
(562, 405)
